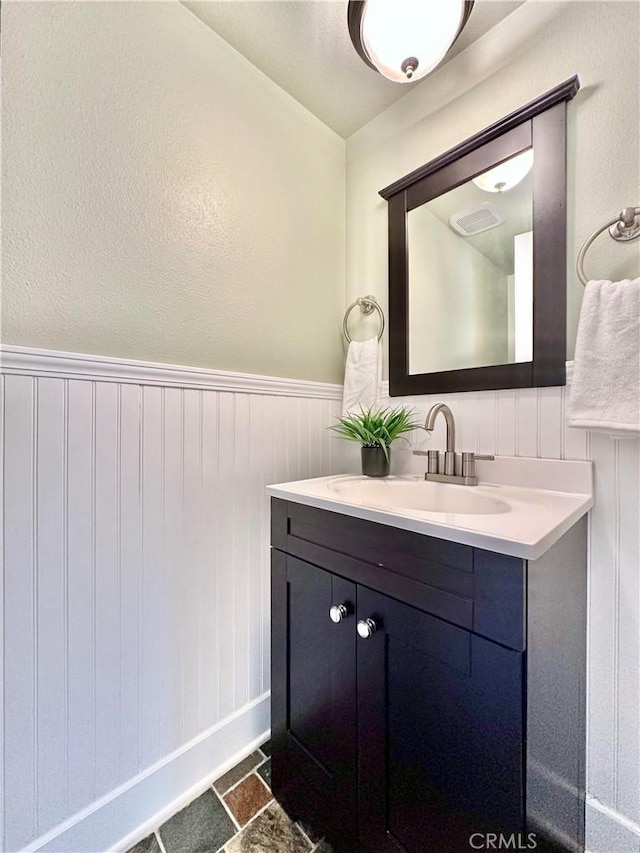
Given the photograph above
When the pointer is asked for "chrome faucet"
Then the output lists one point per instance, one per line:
(458, 467)
(429, 425)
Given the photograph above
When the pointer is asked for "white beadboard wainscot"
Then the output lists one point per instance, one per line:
(136, 582)
(531, 422)
(136, 614)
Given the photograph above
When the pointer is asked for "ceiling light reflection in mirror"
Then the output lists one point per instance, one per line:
(507, 175)
(471, 273)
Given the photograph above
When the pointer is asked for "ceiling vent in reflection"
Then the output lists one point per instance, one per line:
(475, 220)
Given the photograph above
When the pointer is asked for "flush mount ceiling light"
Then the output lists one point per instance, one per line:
(405, 39)
(507, 174)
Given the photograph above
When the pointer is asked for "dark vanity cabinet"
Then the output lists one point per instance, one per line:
(447, 701)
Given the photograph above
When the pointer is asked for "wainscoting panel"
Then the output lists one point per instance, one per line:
(136, 624)
(531, 422)
(136, 561)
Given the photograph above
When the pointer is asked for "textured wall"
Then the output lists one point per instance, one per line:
(163, 199)
(532, 50)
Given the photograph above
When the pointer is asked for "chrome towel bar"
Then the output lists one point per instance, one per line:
(625, 227)
(367, 305)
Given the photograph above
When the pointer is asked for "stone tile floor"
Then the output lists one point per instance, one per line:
(237, 814)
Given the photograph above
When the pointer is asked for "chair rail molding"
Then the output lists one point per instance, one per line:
(29, 361)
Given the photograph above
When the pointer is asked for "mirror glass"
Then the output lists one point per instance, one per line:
(470, 272)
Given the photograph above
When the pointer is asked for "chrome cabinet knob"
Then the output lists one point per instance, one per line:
(338, 612)
(366, 628)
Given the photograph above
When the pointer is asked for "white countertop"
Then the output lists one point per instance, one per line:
(542, 499)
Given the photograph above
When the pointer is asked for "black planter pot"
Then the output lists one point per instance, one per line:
(374, 462)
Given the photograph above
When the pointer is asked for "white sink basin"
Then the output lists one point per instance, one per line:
(522, 510)
(418, 495)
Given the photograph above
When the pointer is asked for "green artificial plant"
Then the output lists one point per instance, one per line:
(376, 427)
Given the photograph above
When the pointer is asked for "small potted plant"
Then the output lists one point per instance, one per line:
(375, 429)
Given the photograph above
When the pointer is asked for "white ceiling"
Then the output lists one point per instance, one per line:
(304, 47)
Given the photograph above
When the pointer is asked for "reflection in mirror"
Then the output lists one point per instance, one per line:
(464, 313)
(470, 254)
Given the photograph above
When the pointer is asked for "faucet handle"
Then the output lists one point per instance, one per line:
(469, 462)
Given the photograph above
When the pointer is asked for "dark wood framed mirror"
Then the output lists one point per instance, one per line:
(477, 259)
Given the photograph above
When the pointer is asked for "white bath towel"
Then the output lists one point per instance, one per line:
(361, 375)
(605, 388)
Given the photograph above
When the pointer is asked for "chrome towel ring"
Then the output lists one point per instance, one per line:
(367, 305)
(625, 227)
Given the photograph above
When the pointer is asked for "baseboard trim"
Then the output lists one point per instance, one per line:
(29, 361)
(128, 813)
(608, 829)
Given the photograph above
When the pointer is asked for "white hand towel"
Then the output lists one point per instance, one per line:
(605, 387)
(361, 376)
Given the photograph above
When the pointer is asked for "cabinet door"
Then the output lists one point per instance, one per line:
(313, 696)
(440, 737)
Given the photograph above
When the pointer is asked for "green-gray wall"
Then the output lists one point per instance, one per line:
(162, 199)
